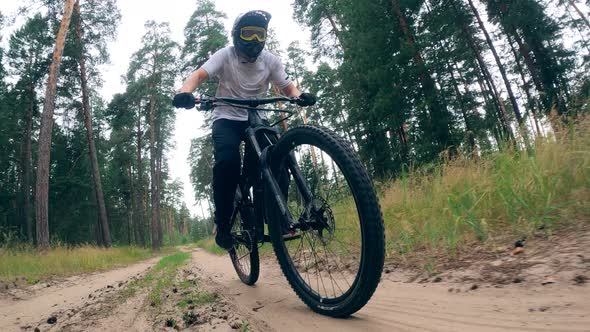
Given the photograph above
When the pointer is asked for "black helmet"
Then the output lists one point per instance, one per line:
(251, 47)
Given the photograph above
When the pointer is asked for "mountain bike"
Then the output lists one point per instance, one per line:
(307, 193)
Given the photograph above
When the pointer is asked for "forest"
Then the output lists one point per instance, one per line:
(410, 83)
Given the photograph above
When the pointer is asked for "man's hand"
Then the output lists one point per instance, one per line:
(184, 100)
(306, 99)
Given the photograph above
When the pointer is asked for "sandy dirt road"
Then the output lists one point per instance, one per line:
(398, 306)
(271, 305)
(27, 308)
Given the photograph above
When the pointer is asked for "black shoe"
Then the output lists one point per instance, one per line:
(224, 239)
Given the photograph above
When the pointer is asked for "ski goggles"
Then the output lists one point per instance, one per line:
(251, 33)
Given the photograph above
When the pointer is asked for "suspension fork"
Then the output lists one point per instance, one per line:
(270, 179)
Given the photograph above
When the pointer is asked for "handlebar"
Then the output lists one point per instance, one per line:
(248, 102)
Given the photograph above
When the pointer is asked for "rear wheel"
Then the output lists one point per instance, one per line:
(333, 258)
(244, 254)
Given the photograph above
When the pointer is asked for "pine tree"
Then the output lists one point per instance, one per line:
(42, 188)
(28, 54)
(154, 66)
(537, 37)
(103, 28)
(204, 34)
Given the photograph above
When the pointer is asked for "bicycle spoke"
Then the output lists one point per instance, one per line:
(327, 254)
(317, 267)
(246, 254)
(317, 264)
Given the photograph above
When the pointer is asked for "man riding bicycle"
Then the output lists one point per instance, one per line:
(244, 70)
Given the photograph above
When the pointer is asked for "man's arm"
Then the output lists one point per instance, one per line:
(303, 99)
(184, 98)
(194, 80)
(291, 91)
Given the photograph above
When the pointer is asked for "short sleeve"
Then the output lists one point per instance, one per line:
(214, 65)
(278, 76)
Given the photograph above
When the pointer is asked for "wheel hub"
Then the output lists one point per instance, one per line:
(321, 219)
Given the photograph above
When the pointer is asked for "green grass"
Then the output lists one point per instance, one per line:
(163, 276)
(509, 193)
(197, 298)
(64, 261)
(246, 327)
(159, 278)
(165, 271)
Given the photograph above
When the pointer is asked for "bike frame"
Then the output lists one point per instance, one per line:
(258, 128)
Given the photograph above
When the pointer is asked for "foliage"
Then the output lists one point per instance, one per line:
(201, 161)
(204, 34)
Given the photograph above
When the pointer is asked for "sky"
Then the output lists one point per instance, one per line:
(177, 12)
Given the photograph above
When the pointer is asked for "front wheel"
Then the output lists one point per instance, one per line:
(333, 257)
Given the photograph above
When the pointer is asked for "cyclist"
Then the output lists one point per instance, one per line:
(244, 70)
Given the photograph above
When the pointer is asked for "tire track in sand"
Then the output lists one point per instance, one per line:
(408, 306)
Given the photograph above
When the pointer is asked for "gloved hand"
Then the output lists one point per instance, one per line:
(306, 99)
(184, 100)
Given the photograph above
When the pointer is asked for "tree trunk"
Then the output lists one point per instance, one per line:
(441, 130)
(148, 214)
(26, 183)
(172, 223)
(334, 27)
(131, 229)
(499, 64)
(502, 114)
(525, 52)
(582, 16)
(159, 151)
(459, 96)
(92, 154)
(528, 60)
(99, 236)
(469, 132)
(488, 80)
(44, 153)
(153, 162)
(153, 175)
(525, 87)
(140, 224)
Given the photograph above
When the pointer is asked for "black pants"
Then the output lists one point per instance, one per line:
(227, 136)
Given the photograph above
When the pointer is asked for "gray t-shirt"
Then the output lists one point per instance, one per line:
(239, 78)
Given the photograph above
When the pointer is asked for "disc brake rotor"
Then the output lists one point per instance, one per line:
(322, 220)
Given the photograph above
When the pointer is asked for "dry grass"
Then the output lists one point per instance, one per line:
(508, 192)
(63, 261)
(209, 245)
